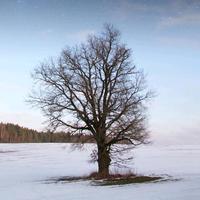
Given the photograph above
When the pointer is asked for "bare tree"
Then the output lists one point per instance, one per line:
(94, 89)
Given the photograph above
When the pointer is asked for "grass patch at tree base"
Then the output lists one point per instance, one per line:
(126, 180)
(113, 179)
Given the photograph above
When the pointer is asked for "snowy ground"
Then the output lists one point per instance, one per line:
(24, 167)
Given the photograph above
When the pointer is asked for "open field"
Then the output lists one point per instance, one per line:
(25, 167)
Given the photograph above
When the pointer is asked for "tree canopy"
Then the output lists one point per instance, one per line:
(95, 89)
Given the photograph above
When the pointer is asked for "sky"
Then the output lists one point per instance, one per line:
(164, 36)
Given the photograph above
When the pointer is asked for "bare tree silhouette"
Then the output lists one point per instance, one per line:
(95, 89)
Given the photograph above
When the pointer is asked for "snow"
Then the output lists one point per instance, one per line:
(25, 167)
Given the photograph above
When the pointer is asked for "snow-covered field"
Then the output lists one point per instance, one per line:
(25, 167)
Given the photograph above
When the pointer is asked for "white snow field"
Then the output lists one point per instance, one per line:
(25, 167)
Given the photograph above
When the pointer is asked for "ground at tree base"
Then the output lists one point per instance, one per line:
(113, 179)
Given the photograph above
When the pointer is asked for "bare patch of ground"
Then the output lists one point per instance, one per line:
(113, 179)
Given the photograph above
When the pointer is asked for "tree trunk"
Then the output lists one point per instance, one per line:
(103, 162)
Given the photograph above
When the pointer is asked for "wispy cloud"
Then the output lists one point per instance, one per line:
(183, 19)
(171, 12)
(78, 36)
(179, 41)
(123, 10)
(46, 32)
(81, 35)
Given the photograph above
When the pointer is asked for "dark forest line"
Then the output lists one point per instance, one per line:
(11, 133)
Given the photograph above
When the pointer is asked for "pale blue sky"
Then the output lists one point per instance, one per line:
(164, 36)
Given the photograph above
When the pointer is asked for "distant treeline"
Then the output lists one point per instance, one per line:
(11, 133)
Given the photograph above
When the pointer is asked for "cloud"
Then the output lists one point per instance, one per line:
(180, 26)
(123, 10)
(179, 41)
(184, 19)
(180, 13)
(81, 35)
(166, 13)
(46, 32)
(19, 1)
